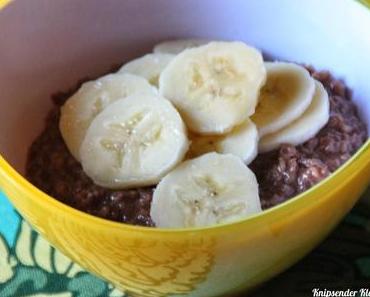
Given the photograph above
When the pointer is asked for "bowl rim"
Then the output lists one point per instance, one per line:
(3, 3)
(361, 159)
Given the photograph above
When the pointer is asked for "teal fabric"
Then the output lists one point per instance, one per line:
(11, 219)
(30, 267)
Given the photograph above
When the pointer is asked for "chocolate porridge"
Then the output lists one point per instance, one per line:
(281, 174)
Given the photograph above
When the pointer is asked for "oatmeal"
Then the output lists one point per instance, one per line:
(281, 174)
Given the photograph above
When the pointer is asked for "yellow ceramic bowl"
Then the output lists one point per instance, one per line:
(49, 46)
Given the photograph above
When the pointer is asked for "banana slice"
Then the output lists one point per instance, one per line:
(215, 87)
(149, 66)
(285, 96)
(242, 142)
(134, 142)
(305, 127)
(79, 110)
(178, 45)
(205, 191)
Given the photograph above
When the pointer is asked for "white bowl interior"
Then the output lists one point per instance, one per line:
(47, 46)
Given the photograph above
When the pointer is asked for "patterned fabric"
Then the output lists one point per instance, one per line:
(30, 267)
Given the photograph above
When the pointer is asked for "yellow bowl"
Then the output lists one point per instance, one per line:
(152, 262)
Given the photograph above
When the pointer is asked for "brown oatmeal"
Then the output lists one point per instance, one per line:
(281, 174)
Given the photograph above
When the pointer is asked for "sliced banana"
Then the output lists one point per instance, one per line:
(134, 142)
(216, 86)
(285, 96)
(178, 45)
(149, 66)
(242, 142)
(208, 190)
(305, 127)
(93, 97)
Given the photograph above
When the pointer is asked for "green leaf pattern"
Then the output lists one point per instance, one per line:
(33, 268)
(6, 265)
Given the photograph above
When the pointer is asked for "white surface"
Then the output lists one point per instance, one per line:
(46, 46)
